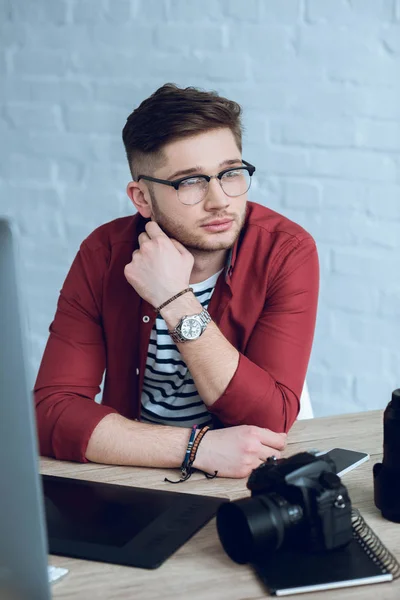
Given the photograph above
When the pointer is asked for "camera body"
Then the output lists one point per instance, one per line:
(297, 503)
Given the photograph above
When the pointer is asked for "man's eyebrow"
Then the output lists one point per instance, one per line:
(199, 170)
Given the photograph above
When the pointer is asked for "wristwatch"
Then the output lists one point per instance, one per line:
(190, 327)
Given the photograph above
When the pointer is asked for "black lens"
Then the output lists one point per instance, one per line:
(255, 526)
(387, 473)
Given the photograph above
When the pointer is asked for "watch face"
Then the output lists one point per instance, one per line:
(191, 329)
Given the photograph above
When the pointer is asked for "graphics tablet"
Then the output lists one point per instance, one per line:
(121, 524)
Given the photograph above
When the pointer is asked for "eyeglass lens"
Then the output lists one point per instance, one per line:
(234, 183)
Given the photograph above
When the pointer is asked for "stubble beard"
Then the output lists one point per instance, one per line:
(191, 242)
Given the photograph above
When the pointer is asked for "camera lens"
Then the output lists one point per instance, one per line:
(387, 473)
(255, 526)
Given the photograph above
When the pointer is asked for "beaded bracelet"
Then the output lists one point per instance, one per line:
(190, 456)
(189, 289)
(196, 444)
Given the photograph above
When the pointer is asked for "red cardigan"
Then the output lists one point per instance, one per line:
(264, 303)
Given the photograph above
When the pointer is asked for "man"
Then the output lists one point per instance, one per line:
(231, 352)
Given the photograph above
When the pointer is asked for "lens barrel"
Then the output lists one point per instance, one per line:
(256, 526)
(387, 473)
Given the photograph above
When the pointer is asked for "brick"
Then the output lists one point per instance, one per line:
(331, 45)
(88, 11)
(3, 63)
(69, 39)
(226, 67)
(5, 10)
(237, 11)
(348, 355)
(40, 62)
(109, 177)
(378, 265)
(25, 196)
(266, 191)
(51, 92)
(82, 209)
(345, 196)
(390, 38)
(299, 194)
(372, 199)
(283, 12)
(378, 135)
(335, 391)
(69, 172)
(108, 66)
(155, 11)
(255, 126)
(192, 12)
(390, 303)
(383, 201)
(280, 162)
(137, 40)
(334, 101)
(275, 40)
(33, 118)
(342, 292)
(269, 97)
(48, 224)
(358, 230)
(127, 95)
(55, 12)
(366, 330)
(10, 35)
(373, 392)
(376, 69)
(348, 164)
(344, 12)
(334, 133)
(29, 167)
(118, 11)
(381, 103)
(283, 68)
(181, 38)
(94, 120)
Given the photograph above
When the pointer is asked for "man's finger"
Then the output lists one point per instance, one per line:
(272, 439)
(142, 238)
(154, 230)
(180, 247)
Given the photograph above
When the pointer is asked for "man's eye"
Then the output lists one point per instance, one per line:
(191, 182)
(231, 174)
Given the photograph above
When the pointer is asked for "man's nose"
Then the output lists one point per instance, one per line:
(216, 197)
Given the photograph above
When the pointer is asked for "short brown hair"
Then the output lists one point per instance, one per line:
(172, 113)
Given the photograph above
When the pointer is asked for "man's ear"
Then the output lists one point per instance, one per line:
(140, 198)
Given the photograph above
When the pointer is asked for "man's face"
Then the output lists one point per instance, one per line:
(204, 154)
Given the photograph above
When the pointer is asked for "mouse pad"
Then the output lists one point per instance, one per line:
(121, 524)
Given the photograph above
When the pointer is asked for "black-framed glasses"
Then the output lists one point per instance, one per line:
(192, 189)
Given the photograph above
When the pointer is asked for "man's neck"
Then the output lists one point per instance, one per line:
(207, 264)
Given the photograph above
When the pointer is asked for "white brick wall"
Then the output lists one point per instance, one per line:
(319, 83)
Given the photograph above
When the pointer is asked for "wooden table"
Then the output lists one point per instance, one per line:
(200, 570)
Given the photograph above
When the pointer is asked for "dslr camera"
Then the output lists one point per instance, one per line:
(297, 503)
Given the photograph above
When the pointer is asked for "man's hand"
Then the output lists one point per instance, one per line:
(160, 268)
(236, 451)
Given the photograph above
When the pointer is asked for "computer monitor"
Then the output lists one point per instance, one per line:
(23, 539)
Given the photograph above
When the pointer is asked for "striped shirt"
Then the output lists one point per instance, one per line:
(169, 395)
